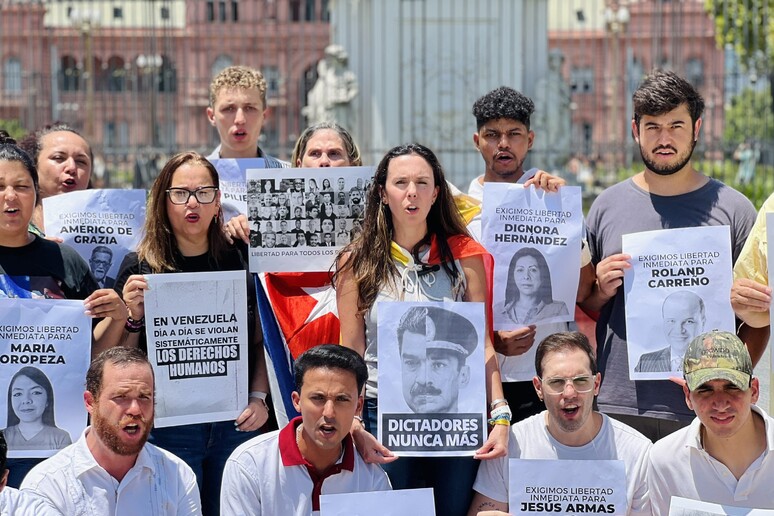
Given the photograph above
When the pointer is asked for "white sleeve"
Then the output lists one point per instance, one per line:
(492, 479)
(240, 494)
(190, 504)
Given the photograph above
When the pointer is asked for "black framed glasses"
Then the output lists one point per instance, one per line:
(582, 384)
(203, 194)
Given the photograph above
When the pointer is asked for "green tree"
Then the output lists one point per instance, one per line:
(13, 128)
(748, 26)
(749, 116)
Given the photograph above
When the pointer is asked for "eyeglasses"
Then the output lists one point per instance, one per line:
(581, 384)
(203, 195)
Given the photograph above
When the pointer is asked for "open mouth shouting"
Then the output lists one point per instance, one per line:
(192, 218)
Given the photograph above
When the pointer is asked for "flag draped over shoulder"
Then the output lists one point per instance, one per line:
(298, 311)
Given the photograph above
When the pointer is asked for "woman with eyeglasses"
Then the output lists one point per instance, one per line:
(183, 234)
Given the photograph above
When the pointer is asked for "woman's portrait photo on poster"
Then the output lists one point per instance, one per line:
(528, 291)
(31, 424)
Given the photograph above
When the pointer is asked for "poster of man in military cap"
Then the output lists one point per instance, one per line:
(432, 392)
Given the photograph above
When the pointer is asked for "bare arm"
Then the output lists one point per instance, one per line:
(485, 506)
(238, 228)
(610, 273)
(751, 302)
(256, 413)
(106, 303)
(756, 340)
(475, 275)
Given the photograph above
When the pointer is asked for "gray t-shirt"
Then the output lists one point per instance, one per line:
(626, 208)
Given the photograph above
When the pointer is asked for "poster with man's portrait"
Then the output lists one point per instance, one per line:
(45, 349)
(672, 293)
(535, 238)
(432, 389)
(300, 218)
(101, 225)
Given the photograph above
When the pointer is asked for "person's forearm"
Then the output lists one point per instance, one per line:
(756, 340)
(596, 300)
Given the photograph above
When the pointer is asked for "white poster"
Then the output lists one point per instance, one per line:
(101, 225)
(535, 238)
(300, 218)
(686, 507)
(570, 487)
(676, 289)
(432, 388)
(196, 324)
(233, 189)
(414, 502)
(45, 349)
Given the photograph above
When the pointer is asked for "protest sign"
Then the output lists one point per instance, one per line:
(672, 295)
(535, 238)
(379, 503)
(300, 218)
(101, 225)
(571, 487)
(232, 179)
(196, 325)
(45, 348)
(686, 507)
(432, 391)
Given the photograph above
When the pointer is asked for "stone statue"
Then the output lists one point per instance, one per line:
(552, 120)
(330, 99)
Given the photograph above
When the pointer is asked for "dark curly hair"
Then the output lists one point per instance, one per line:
(503, 102)
(661, 92)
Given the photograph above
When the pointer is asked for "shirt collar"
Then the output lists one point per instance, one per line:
(291, 455)
(84, 461)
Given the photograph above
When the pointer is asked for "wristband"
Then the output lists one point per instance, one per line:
(500, 422)
(360, 419)
(133, 326)
(502, 410)
(258, 394)
(497, 402)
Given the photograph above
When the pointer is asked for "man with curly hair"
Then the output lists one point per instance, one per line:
(237, 110)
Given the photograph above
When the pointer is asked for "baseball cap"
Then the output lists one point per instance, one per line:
(717, 355)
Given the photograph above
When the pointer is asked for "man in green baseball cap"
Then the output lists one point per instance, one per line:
(726, 455)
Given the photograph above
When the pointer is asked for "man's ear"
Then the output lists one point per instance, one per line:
(296, 398)
(211, 116)
(88, 399)
(696, 129)
(475, 141)
(687, 394)
(538, 387)
(464, 375)
(635, 131)
(530, 139)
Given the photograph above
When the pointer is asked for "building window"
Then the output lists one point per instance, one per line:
(309, 11)
(272, 76)
(69, 74)
(325, 11)
(164, 13)
(295, 10)
(694, 71)
(12, 74)
(582, 80)
(221, 63)
(222, 11)
(116, 74)
(210, 11)
(234, 11)
(167, 78)
(118, 13)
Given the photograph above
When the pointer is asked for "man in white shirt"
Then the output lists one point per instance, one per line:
(504, 138)
(111, 469)
(286, 471)
(14, 502)
(726, 455)
(569, 429)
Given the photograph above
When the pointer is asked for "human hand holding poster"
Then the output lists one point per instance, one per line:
(232, 183)
(570, 487)
(196, 324)
(535, 238)
(379, 503)
(44, 354)
(300, 218)
(432, 391)
(682, 272)
(101, 225)
(686, 507)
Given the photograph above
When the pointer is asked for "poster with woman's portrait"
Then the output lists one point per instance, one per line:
(45, 346)
(535, 239)
(672, 295)
(300, 218)
(101, 225)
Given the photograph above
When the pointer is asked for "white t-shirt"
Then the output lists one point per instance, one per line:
(17, 503)
(679, 466)
(159, 483)
(268, 475)
(530, 439)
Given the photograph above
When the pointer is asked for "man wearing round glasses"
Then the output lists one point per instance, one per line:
(567, 381)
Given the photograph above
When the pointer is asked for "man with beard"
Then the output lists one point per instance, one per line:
(504, 138)
(285, 472)
(111, 469)
(668, 193)
(569, 429)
